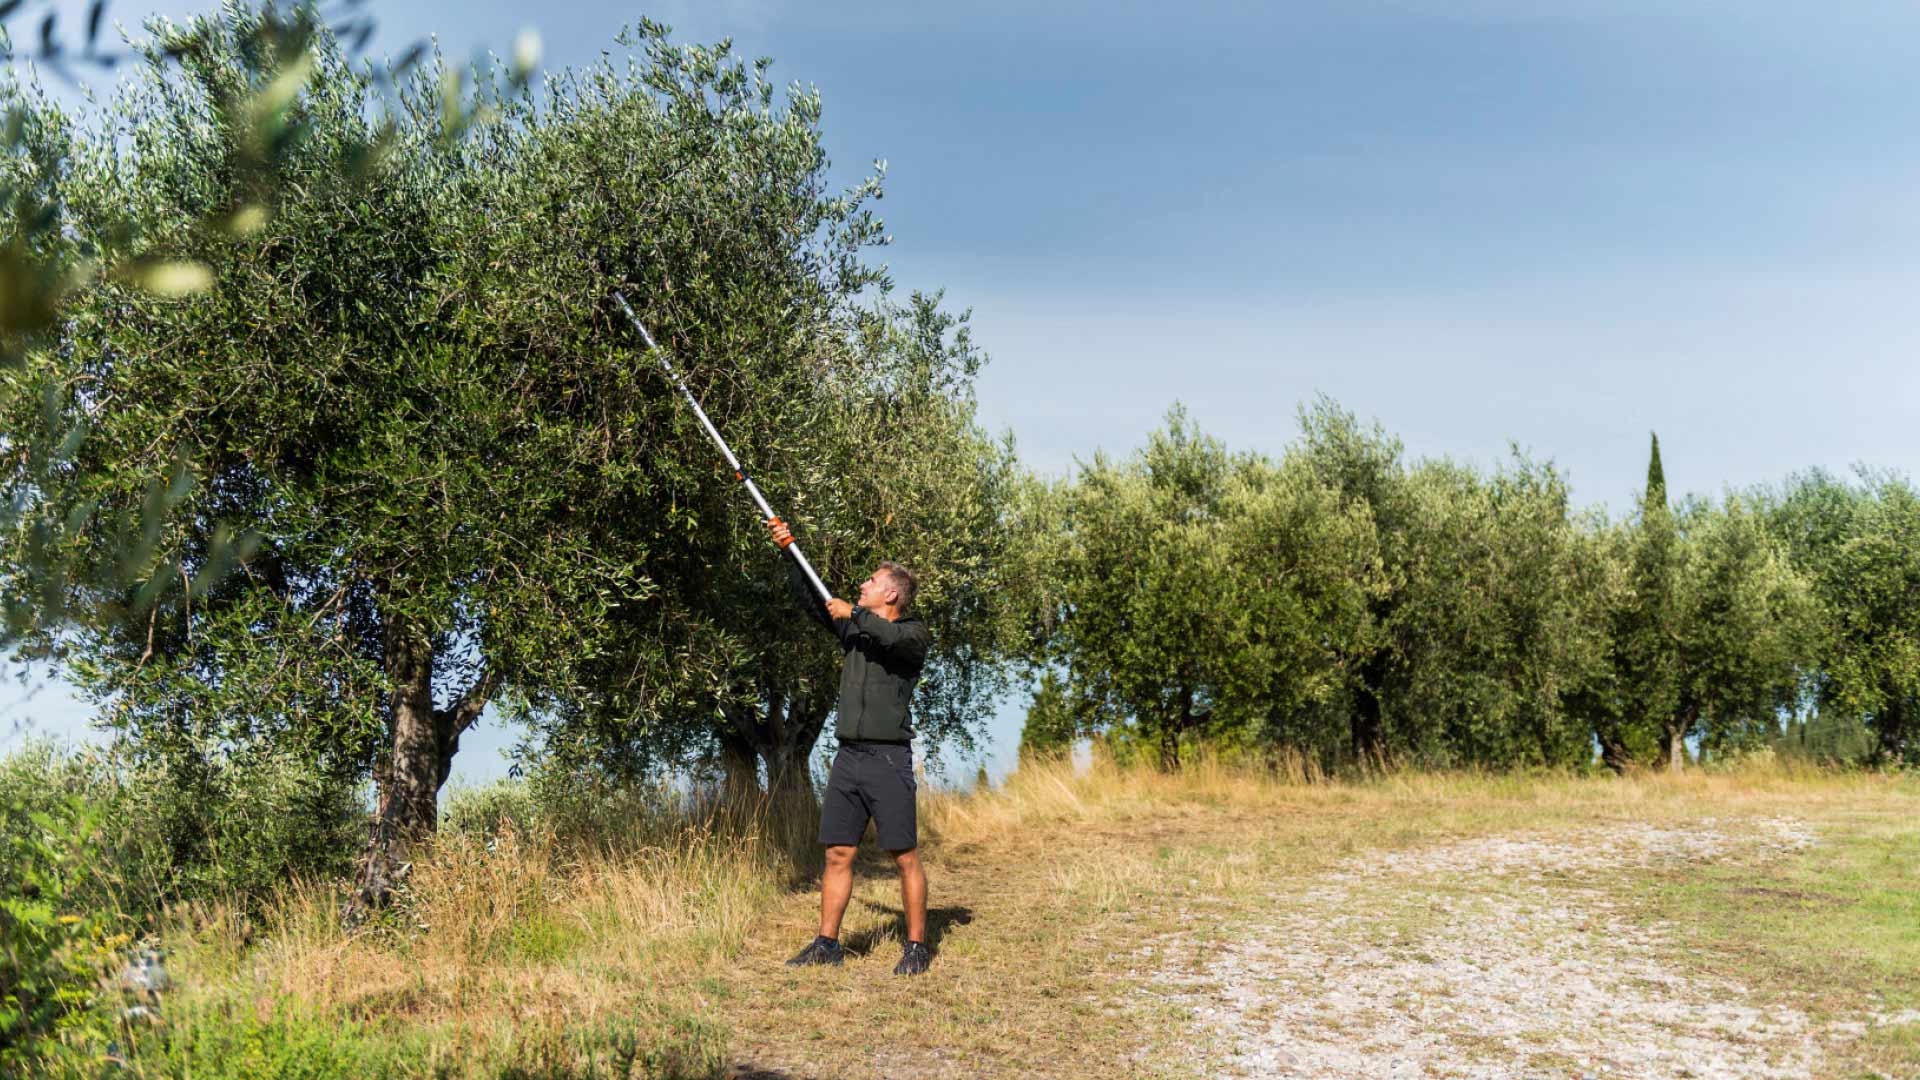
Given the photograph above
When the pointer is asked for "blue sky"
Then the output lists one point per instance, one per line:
(1560, 225)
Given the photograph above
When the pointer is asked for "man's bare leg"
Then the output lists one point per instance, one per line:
(913, 893)
(836, 887)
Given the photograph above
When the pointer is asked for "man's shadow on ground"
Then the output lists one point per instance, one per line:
(939, 921)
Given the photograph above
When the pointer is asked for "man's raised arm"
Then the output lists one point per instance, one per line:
(803, 593)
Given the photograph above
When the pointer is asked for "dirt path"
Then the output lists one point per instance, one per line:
(1365, 938)
(1489, 958)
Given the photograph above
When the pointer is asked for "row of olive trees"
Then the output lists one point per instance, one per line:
(396, 458)
(1349, 604)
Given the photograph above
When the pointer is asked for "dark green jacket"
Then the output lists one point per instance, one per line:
(882, 663)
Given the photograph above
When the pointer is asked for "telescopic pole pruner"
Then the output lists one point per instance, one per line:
(725, 451)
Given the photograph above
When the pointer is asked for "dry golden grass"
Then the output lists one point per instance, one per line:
(1042, 891)
(517, 924)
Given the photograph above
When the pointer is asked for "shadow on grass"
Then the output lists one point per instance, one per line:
(750, 1072)
(939, 920)
(808, 860)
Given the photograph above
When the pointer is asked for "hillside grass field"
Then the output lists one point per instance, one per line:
(1763, 921)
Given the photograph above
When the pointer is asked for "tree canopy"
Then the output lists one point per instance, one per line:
(1350, 606)
(410, 459)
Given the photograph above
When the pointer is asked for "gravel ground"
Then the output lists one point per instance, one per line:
(1491, 958)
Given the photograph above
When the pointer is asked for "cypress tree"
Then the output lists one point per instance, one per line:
(1656, 675)
(1646, 677)
(1656, 477)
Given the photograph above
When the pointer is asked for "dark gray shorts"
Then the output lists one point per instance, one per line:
(870, 780)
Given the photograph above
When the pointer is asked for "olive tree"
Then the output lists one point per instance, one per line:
(1365, 466)
(1494, 630)
(1750, 631)
(895, 467)
(1709, 632)
(1195, 595)
(44, 265)
(1479, 636)
(1859, 546)
(1143, 626)
(407, 411)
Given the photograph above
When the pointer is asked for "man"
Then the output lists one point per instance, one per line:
(884, 649)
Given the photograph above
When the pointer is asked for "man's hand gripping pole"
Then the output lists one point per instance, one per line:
(726, 451)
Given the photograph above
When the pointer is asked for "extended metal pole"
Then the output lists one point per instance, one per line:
(725, 451)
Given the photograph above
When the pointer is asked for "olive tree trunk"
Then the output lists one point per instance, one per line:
(781, 733)
(1892, 729)
(739, 763)
(408, 778)
(787, 750)
(1677, 729)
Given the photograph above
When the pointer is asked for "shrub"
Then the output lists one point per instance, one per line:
(238, 825)
(56, 938)
(480, 813)
(190, 823)
(1829, 738)
(576, 808)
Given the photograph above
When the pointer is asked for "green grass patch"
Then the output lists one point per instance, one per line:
(538, 936)
(1842, 917)
(222, 1043)
(1833, 930)
(230, 1041)
(1894, 1047)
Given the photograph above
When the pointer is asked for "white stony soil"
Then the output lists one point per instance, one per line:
(1491, 958)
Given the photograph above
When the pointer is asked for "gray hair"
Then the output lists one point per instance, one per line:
(904, 583)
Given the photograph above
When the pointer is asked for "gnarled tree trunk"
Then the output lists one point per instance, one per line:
(1170, 734)
(1613, 750)
(1892, 729)
(409, 776)
(1169, 749)
(791, 732)
(739, 763)
(1677, 729)
(781, 732)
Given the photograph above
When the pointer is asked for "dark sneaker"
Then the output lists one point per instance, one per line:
(823, 950)
(913, 959)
